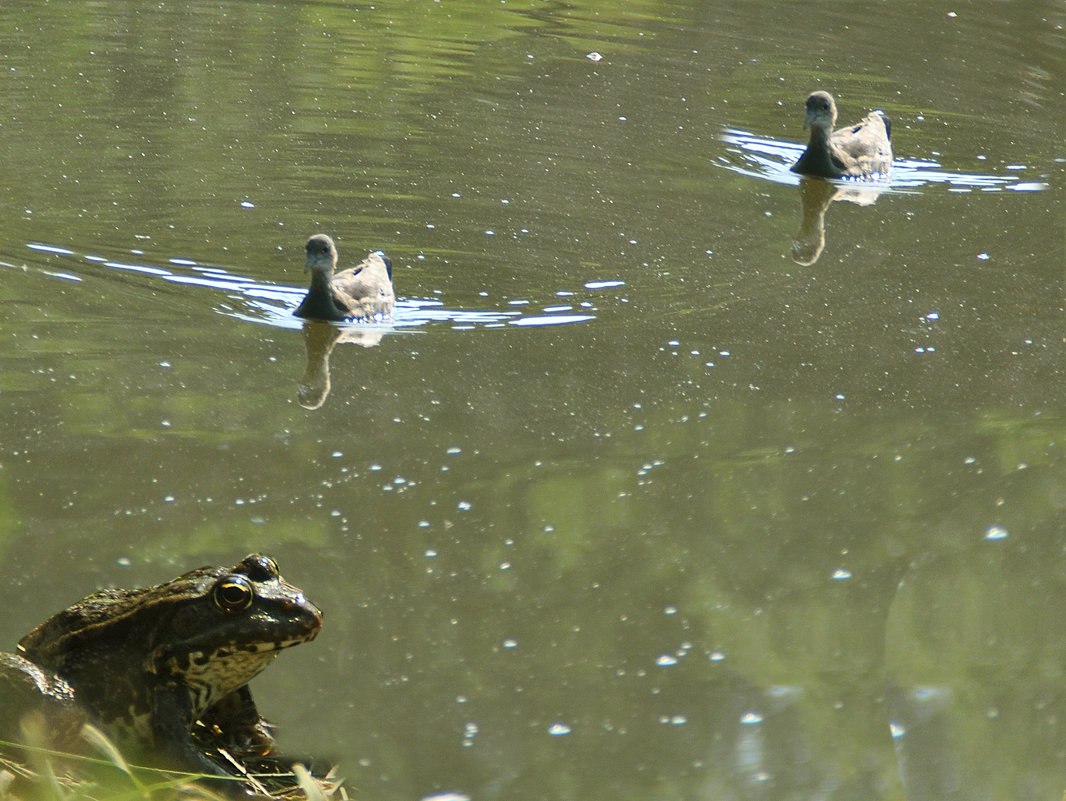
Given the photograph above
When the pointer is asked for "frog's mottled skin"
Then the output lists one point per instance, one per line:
(147, 664)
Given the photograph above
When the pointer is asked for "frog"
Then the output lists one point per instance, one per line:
(157, 667)
(36, 705)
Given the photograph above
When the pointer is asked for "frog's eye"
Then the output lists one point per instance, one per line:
(233, 594)
(258, 567)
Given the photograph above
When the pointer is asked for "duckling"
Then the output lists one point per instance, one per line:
(861, 150)
(360, 292)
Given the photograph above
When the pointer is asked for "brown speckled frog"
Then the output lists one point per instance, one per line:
(147, 665)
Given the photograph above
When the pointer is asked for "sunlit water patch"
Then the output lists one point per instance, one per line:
(770, 159)
(273, 304)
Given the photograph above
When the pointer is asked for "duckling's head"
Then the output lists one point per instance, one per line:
(321, 255)
(821, 111)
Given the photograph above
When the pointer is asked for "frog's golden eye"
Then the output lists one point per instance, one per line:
(233, 594)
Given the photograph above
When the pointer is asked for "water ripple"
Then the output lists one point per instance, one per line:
(273, 304)
(770, 159)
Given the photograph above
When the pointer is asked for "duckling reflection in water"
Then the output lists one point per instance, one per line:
(319, 341)
(816, 195)
(809, 242)
(862, 150)
(363, 292)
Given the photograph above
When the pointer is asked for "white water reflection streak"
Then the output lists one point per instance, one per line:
(770, 159)
(273, 304)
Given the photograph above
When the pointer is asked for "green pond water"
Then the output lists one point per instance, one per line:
(672, 479)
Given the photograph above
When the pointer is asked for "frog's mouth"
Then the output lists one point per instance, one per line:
(261, 647)
(238, 658)
(236, 652)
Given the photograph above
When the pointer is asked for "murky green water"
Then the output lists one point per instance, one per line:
(628, 504)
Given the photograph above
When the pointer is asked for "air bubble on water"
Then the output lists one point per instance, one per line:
(996, 533)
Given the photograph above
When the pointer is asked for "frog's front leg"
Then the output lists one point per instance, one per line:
(235, 721)
(174, 743)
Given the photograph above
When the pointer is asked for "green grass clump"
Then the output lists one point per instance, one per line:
(31, 772)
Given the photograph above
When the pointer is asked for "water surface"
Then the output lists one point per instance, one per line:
(626, 503)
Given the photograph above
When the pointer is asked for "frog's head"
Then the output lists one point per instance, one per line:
(220, 626)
